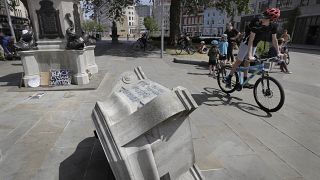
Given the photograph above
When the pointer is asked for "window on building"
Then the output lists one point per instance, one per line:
(208, 14)
(208, 22)
(212, 22)
(304, 2)
(129, 23)
(213, 14)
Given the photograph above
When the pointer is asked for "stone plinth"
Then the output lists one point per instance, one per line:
(43, 60)
(145, 131)
(90, 62)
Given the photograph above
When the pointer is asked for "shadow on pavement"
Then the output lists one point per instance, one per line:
(122, 49)
(11, 79)
(215, 97)
(87, 162)
(311, 51)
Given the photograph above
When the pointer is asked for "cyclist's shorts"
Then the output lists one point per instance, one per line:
(212, 62)
(243, 51)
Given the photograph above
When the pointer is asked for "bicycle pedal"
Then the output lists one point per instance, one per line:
(239, 88)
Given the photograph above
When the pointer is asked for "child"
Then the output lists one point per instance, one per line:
(273, 52)
(202, 48)
(213, 56)
(223, 47)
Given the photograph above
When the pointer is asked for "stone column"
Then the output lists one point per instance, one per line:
(30, 66)
(80, 75)
(90, 60)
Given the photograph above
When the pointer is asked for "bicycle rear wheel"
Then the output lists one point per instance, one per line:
(136, 46)
(222, 74)
(288, 59)
(179, 50)
(268, 94)
(150, 47)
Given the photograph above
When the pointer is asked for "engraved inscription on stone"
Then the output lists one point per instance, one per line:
(49, 21)
(142, 92)
(50, 26)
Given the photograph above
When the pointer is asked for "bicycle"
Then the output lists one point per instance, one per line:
(188, 48)
(138, 45)
(265, 88)
(285, 50)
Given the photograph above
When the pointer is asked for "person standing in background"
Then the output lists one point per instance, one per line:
(233, 35)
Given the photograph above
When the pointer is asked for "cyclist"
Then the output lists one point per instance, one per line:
(233, 35)
(262, 28)
(144, 39)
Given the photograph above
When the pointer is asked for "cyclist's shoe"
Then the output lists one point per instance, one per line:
(228, 81)
(248, 85)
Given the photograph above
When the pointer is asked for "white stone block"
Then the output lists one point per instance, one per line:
(144, 129)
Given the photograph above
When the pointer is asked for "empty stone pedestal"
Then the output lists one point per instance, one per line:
(42, 60)
(144, 129)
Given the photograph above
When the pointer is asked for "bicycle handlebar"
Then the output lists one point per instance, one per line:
(272, 59)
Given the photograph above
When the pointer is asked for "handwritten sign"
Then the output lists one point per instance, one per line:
(60, 77)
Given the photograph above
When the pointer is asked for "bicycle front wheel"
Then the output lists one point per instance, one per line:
(191, 50)
(268, 94)
(224, 71)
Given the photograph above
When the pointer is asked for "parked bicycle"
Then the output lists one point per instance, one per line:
(266, 89)
(285, 50)
(139, 45)
(187, 48)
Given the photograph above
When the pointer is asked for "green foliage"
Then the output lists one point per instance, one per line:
(91, 26)
(231, 7)
(150, 24)
(115, 10)
(262, 48)
(100, 28)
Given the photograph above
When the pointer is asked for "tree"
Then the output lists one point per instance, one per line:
(92, 26)
(150, 24)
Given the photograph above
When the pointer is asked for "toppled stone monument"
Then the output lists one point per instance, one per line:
(144, 129)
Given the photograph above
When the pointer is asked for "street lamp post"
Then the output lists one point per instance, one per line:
(9, 20)
(162, 28)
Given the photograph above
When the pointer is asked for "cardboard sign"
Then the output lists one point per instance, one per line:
(60, 77)
(44, 78)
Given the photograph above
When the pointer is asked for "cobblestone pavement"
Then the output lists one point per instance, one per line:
(52, 138)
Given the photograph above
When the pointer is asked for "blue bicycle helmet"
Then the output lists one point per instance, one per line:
(214, 42)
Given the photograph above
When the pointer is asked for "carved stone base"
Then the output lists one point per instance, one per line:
(145, 131)
(43, 60)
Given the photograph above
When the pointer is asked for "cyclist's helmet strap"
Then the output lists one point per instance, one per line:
(272, 13)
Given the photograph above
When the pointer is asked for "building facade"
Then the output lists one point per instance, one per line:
(214, 22)
(142, 12)
(128, 24)
(19, 17)
(166, 15)
(192, 24)
(300, 17)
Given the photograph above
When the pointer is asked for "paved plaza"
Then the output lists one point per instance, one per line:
(51, 138)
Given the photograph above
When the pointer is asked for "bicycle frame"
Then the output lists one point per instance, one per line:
(257, 69)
